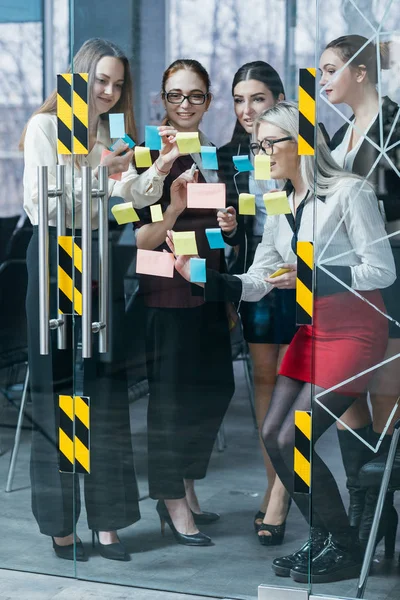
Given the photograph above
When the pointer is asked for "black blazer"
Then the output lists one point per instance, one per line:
(368, 154)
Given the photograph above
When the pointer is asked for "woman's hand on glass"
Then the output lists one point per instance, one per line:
(182, 262)
(116, 161)
(227, 219)
(169, 151)
(286, 281)
(178, 191)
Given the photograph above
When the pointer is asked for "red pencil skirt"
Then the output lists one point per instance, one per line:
(348, 336)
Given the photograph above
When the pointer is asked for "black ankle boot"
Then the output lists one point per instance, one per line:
(313, 546)
(341, 558)
(354, 455)
(387, 525)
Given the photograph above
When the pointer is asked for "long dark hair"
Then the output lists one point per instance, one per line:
(260, 71)
(346, 47)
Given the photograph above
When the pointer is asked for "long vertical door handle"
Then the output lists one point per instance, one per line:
(61, 230)
(44, 280)
(86, 262)
(103, 260)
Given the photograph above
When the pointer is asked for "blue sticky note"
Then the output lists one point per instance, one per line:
(215, 238)
(209, 157)
(125, 139)
(242, 163)
(117, 125)
(152, 138)
(198, 270)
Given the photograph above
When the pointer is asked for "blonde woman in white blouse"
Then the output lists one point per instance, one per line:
(110, 490)
(339, 212)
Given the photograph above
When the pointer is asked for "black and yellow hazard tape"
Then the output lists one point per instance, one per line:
(74, 434)
(304, 283)
(306, 111)
(69, 275)
(72, 113)
(302, 452)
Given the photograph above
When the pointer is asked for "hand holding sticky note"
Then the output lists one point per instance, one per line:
(124, 213)
(117, 125)
(215, 239)
(188, 142)
(262, 166)
(242, 163)
(184, 242)
(247, 204)
(198, 270)
(209, 157)
(156, 213)
(159, 264)
(206, 195)
(276, 203)
(142, 157)
(152, 137)
(116, 176)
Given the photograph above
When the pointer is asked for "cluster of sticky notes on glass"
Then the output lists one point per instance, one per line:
(152, 138)
(125, 139)
(188, 142)
(215, 239)
(124, 213)
(209, 157)
(150, 262)
(242, 163)
(142, 157)
(184, 242)
(247, 204)
(262, 166)
(206, 195)
(197, 270)
(276, 203)
(156, 213)
(117, 125)
(116, 176)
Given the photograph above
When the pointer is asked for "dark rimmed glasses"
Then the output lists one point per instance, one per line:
(176, 98)
(267, 146)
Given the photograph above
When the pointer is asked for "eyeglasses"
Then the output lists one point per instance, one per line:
(267, 146)
(176, 98)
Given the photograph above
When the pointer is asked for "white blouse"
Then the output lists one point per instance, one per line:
(41, 150)
(347, 230)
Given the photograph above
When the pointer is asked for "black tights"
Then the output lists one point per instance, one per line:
(278, 430)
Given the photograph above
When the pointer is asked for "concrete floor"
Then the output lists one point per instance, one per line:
(232, 568)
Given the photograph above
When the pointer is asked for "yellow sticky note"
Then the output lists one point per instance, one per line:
(124, 213)
(185, 242)
(142, 157)
(262, 166)
(156, 213)
(276, 203)
(247, 204)
(188, 142)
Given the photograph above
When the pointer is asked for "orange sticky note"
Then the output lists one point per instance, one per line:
(158, 264)
(206, 195)
(185, 242)
(188, 142)
(124, 213)
(262, 166)
(156, 213)
(142, 157)
(247, 204)
(276, 203)
(116, 176)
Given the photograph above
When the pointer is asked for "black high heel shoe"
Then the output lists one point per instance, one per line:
(277, 531)
(197, 539)
(67, 552)
(115, 551)
(259, 515)
(388, 524)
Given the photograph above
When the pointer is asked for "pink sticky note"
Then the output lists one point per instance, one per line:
(117, 176)
(206, 195)
(150, 262)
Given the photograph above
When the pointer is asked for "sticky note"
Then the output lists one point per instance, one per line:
(206, 195)
(125, 139)
(159, 264)
(247, 204)
(188, 142)
(156, 213)
(142, 157)
(198, 270)
(124, 213)
(185, 242)
(262, 166)
(276, 203)
(152, 137)
(117, 125)
(116, 176)
(209, 157)
(215, 238)
(242, 163)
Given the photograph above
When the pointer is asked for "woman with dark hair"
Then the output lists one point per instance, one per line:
(269, 324)
(350, 74)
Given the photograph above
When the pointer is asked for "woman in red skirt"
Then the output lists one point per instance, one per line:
(329, 361)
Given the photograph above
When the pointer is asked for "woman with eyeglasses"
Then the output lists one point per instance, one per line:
(269, 324)
(348, 335)
(188, 350)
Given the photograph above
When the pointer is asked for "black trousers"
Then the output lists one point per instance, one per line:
(191, 383)
(111, 494)
(7, 226)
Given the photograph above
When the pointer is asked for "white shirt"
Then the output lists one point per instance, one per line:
(343, 229)
(259, 188)
(342, 155)
(41, 150)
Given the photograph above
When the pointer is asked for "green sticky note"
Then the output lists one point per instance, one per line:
(124, 213)
(188, 142)
(262, 167)
(142, 157)
(247, 204)
(276, 203)
(156, 213)
(185, 242)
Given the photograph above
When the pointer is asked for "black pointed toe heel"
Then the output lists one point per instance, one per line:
(205, 518)
(67, 552)
(197, 539)
(258, 516)
(115, 551)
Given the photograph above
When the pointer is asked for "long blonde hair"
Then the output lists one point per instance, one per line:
(85, 61)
